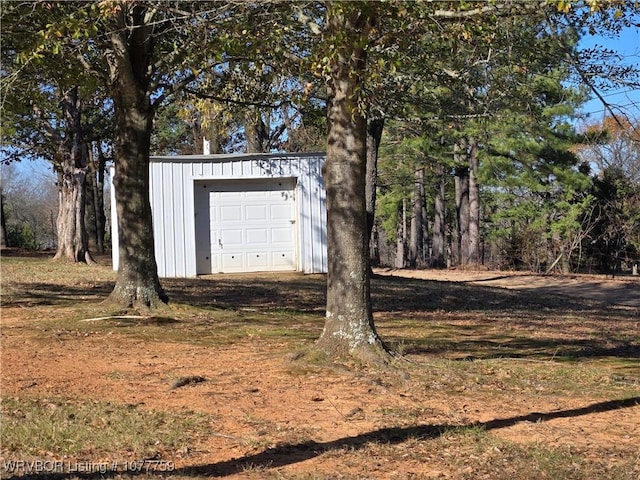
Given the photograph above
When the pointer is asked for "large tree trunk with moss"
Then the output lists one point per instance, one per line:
(349, 328)
(137, 283)
(71, 167)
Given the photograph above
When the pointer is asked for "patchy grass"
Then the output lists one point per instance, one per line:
(493, 383)
(40, 427)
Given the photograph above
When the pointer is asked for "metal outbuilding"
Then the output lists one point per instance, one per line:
(236, 213)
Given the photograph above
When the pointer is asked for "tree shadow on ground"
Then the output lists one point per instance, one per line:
(484, 349)
(424, 317)
(290, 454)
(38, 294)
(458, 320)
(407, 294)
(295, 292)
(307, 294)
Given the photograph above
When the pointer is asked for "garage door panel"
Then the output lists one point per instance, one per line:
(230, 238)
(252, 226)
(215, 264)
(257, 260)
(281, 236)
(231, 262)
(257, 236)
(280, 212)
(284, 260)
(231, 194)
(255, 212)
(280, 196)
(230, 213)
(257, 194)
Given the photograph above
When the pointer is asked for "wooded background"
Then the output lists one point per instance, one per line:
(484, 159)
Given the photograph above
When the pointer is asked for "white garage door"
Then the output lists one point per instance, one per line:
(252, 226)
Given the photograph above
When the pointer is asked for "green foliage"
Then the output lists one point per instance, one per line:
(21, 235)
(310, 133)
(538, 197)
(402, 153)
(500, 81)
(40, 65)
(616, 234)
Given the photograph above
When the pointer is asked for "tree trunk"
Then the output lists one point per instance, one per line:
(374, 136)
(425, 223)
(255, 131)
(137, 283)
(401, 235)
(95, 218)
(374, 247)
(349, 329)
(101, 218)
(3, 224)
(461, 181)
(416, 239)
(438, 242)
(91, 209)
(474, 205)
(71, 167)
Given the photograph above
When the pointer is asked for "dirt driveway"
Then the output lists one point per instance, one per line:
(624, 291)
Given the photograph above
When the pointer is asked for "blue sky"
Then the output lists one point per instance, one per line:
(628, 46)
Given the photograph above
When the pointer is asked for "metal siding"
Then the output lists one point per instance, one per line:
(306, 224)
(306, 217)
(246, 168)
(316, 230)
(227, 169)
(177, 230)
(196, 169)
(160, 214)
(173, 197)
(171, 214)
(188, 198)
(157, 212)
(169, 173)
(320, 230)
(167, 214)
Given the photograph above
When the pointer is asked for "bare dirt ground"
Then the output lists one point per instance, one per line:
(276, 418)
(622, 290)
